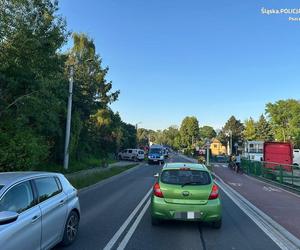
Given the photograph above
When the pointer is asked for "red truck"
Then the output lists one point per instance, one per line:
(276, 153)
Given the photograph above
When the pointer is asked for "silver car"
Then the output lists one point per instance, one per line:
(37, 211)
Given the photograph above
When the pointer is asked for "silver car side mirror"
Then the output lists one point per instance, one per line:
(8, 217)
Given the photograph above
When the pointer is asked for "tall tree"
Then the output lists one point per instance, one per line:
(33, 88)
(207, 132)
(91, 97)
(285, 119)
(189, 131)
(263, 130)
(250, 129)
(234, 128)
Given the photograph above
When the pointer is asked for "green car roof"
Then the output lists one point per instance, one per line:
(178, 165)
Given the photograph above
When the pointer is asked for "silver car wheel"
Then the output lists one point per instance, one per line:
(72, 227)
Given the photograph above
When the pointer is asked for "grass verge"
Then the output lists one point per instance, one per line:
(92, 178)
(75, 166)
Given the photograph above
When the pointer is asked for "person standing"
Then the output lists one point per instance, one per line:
(238, 163)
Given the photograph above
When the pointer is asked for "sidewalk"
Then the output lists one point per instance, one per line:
(281, 205)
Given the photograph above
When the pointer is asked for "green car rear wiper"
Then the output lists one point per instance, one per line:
(189, 183)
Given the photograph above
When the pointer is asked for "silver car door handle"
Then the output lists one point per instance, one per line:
(35, 218)
(61, 203)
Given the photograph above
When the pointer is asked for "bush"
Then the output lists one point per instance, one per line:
(21, 151)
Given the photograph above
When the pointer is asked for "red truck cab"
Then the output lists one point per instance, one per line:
(278, 153)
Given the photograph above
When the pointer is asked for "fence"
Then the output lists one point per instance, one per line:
(288, 175)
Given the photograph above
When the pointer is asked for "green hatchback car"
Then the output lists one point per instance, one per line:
(186, 191)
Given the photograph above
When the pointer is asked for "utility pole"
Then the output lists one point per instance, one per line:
(207, 152)
(69, 114)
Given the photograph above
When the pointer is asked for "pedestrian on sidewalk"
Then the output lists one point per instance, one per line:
(238, 163)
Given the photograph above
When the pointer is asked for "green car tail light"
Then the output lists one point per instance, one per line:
(157, 191)
(214, 192)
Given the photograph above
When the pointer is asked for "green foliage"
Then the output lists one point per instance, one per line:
(285, 120)
(250, 129)
(34, 79)
(32, 90)
(189, 131)
(92, 178)
(207, 132)
(22, 150)
(234, 127)
(263, 130)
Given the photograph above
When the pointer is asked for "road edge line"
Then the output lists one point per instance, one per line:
(117, 235)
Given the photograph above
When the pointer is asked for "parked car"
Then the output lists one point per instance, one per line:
(132, 154)
(37, 211)
(186, 191)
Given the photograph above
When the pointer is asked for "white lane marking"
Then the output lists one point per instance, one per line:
(270, 189)
(117, 235)
(283, 238)
(225, 166)
(235, 184)
(132, 229)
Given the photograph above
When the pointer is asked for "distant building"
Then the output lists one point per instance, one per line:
(217, 147)
(253, 150)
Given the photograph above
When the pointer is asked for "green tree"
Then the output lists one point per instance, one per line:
(170, 134)
(207, 132)
(91, 98)
(263, 130)
(285, 119)
(33, 87)
(234, 128)
(189, 131)
(250, 129)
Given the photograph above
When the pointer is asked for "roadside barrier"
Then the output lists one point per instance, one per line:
(283, 174)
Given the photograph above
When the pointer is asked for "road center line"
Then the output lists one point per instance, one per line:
(117, 235)
(132, 229)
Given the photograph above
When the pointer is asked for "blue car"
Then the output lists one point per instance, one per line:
(156, 155)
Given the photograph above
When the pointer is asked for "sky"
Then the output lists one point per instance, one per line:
(174, 58)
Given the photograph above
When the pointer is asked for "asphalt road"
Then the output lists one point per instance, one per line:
(106, 207)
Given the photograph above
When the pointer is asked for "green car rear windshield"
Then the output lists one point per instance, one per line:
(182, 177)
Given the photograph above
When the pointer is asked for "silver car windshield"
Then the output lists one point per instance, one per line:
(1, 186)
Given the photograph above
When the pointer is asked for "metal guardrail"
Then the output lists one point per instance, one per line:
(283, 174)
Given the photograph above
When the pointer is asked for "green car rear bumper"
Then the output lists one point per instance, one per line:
(209, 212)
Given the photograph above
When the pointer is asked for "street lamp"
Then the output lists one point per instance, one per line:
(229, 148)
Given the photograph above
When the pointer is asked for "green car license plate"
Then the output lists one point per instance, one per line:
(187, 215)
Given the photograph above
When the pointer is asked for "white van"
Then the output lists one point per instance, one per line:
(296, 157)
(132, 154)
